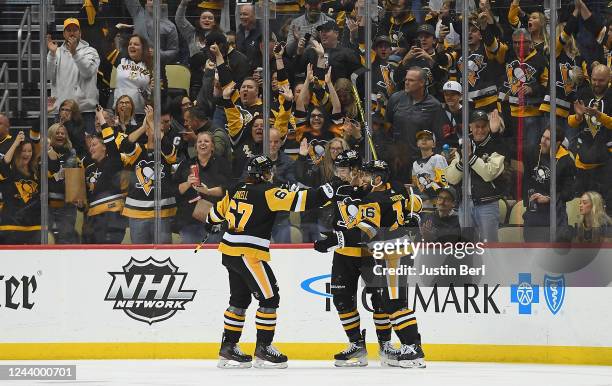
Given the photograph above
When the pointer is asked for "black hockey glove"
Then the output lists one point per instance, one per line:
(212, 228)
(330, 240)
(412, 220)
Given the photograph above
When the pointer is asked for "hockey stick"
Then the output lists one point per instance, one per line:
(204, 239)
(362, 115)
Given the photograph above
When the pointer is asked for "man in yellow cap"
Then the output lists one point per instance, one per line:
(72, 69)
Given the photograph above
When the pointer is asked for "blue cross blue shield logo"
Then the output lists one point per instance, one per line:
(554, 292)
(524, 293)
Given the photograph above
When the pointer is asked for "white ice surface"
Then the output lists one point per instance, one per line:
(320, 373)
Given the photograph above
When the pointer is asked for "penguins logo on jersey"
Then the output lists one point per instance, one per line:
(396, 37)
(247, 117)
(387, 74)
(592, 121)
(26, 189)
(428, 76)
(145, 173)
(541, 173)
(567, 74)
(92, 179)
(476, 63)
(349, 209)
(316, 150)
(518, 74)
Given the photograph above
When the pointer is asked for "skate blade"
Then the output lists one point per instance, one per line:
(413, 364)
(385, 362)
(263, 364)
(353, 362)
(231, 364)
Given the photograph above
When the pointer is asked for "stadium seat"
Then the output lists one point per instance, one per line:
(178, 76)
(503, 211)
(573, 212)
(510, 235)
(516, 214)
(113, 80)
(296, 235)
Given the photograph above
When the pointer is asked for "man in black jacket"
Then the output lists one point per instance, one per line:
(343, 60)
(486, 164)
(536, 188)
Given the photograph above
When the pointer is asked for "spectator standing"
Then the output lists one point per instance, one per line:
(72, 69)
(486, 163)
(210, 184)
(249, 35)
(305, 24)
(135, 74)
(428, 170)
(195, 38)
(70, 118)
(593, 145)
(62, 215)
(408, 112)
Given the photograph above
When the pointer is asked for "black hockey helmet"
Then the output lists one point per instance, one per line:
(348, 158)
(259, 165)
(377, 168)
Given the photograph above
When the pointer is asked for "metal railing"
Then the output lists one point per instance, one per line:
(4, 100)
(24, 47)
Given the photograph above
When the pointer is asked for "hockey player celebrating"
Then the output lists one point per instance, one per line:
(250, 209)
(347, 265)
(383, 215)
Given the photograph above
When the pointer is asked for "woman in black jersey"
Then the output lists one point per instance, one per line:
(20, 223)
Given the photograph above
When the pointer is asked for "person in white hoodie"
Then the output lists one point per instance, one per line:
(72, 69)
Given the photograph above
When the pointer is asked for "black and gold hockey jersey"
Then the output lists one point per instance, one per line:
(531, 71)
(565, 68)
(21, 194)
(483, 74)
(250, 211)
(103, 179)
(345, 211)
(593, 145)
(140, 201)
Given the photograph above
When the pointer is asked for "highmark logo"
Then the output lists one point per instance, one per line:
(525, 293)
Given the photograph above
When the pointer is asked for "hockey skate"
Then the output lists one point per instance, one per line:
(355, 355)
(268, 357)
(388, 354)
(232, 357)
(411, 356)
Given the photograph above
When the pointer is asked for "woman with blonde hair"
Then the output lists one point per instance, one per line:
(595, 225)
(62, 215)
(535, 23)
(344, 89)
(70, 117)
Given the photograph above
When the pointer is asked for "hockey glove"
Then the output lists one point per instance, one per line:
(212, 228)
(330, 240)
(412, 220)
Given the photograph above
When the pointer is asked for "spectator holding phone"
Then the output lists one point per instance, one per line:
(306, 23)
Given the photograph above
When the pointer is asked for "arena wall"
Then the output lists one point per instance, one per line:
(58, 304)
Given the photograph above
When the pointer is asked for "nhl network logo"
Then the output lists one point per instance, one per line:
(150, 290)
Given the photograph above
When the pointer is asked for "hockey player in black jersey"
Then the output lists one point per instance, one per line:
(347, 264)
(250, 209)
(383, 216)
